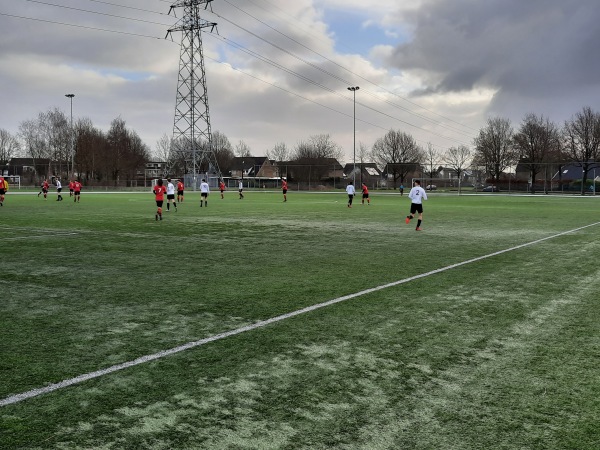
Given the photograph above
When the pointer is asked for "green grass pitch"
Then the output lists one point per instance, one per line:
(499, 353)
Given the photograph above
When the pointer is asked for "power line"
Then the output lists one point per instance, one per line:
(353, 73)
(81, 26)
(97, 12)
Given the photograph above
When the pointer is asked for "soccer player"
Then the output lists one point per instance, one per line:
(180, 188)
(284, 188)
(222, 188)
(350, 191)
(3, 186)
(417, 195)
(170, 195)
(401, 189)
(241, 189)
(365, 191)
(159, 195)
(204, 191)
(76, 191)
(45, 186)
(58, 189)
(71, 187)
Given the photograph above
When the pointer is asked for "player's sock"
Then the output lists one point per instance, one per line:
(419, 223)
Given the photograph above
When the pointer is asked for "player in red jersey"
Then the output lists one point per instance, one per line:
(365, 191)
(71, 188)
(3, 186)
(284, 188)
(45, 186)
(77, 191)
(159, 195)
(180, 188)
(222, 188)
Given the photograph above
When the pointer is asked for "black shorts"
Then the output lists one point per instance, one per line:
(58, 190)
(45, 191)
(204, 194)
(170, 196)
(416, 208)
(179, 192)
(71, 190)
(284, 191)
(77, 192)
(365, 195)
(2, 192)
(159, 203)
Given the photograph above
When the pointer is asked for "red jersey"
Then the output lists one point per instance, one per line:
(365, 189)
(45, 185)
(180, 186)
(160, 192)
(221, 186)
(71, 185)
(1, 183)
(77, 186)
(284, 185)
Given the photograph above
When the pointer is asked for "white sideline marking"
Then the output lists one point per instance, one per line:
(39, 236)
(144, 359)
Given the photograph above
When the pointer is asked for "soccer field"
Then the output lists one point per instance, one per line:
(480, 332)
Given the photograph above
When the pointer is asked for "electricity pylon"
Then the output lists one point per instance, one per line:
(192, 138)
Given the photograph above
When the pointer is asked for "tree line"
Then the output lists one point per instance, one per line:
(119, 153)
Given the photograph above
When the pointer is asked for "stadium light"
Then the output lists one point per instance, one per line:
(70, 96)
(354, 89)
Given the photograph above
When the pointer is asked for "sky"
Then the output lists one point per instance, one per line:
(432, 68)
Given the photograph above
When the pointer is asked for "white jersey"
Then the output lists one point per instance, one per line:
(241, 185)
(417, 195)
(58, 185)
(350, 189)
(170, 189)
(204, 189)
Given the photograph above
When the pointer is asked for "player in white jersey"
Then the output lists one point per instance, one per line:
(350, 191)
(171, 195)
(417, 195)
(58, 189)
(204, 191)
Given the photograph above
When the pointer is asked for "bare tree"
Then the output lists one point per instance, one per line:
(91, 148)
(165, 152)
(242, 150)
(431, 161)
(537, 140)
(399, 152)
(582, 141)
(494, 147)
(458, 159)
(9, 145)
(279, 152)
(223, 151)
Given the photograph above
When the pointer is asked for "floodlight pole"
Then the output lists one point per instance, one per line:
(70, 96)
(354, 89)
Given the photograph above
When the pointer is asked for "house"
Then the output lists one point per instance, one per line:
(569, 176)
(253, 167)
(312, 169)
(368, 173)
(28, 168)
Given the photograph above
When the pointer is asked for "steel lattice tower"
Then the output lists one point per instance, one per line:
(192, 137)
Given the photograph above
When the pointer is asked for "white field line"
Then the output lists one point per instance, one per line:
(42, 236)
(144, 359)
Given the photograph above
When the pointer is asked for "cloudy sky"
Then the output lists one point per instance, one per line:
(278, 70)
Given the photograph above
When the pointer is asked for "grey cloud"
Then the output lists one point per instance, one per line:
(538, 49)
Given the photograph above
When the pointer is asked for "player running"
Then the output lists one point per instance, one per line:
(417, 195)
(159, 195)
(284, 188)
(180, 188)
(204, 191)
(44, 186)
(365, 194)
(71, 187)
(170, 195)
(241, 189)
